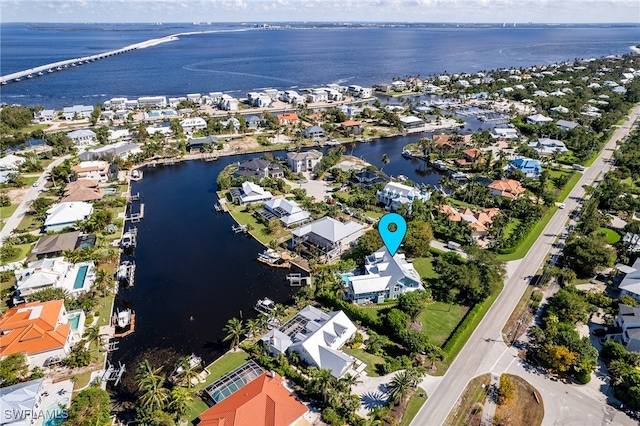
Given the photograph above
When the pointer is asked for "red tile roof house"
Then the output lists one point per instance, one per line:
(263, 402)
(507, 188)
(41, 331)
(287, 118)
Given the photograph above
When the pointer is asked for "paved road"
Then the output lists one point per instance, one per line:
(485, 347)
(13, 222)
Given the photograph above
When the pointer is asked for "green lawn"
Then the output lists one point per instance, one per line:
(29, 223)
(259, 231)
(23, 251)
(511, 226)
(6, 212)
(575, 177)
(413, 406)
(525, 245)
(440, 319)
(424, 266)
(370, 359)
(610, 236)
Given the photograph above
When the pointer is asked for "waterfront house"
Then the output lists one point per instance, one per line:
(306, 161)
(507, 188)
(43, 331)
(628, 278)
(398, 86)
(287, 118)
(77, 112)
(314, 132)
(65, 215)
(54, 245)
(82, 190)
(108, 152)
(396, 194)
(446, 143)
(11, 162)
(201, 143)
(95, 170)
(566, 125)
(287, 211)
(251, 193)
(57, 273)
(265, 401)
(259, 168)
(317, 337)
(368, 178)
(538, 119)
(351, 128)
(479, 221)
(259, 99)
(82, 137)
(44, 116)
(328, 235)
(190, 125)
(152, 101)
(20, 402)
(530, 168)
(228, 103)
(504, 133)
(411, 122)
(471, 157)
(385, 277)
(547, 147)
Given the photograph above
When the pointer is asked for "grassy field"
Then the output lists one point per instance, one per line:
(440, 319)
(424, 266)
(610, 236)
(6, 212)
(523, 408)
(370, 359)
(413, 406)
(223, 365)
(511, 226)
(23, 251)
(523, 248)
(259, 231)
(465, 411)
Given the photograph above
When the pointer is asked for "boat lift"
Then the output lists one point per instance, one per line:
(114, 374)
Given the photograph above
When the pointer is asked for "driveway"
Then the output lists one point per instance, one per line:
(318, 189)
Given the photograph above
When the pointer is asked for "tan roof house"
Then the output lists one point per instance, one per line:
(507, 188)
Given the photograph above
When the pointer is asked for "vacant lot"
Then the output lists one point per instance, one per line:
(523, 409)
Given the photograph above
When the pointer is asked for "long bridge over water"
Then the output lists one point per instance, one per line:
(70, 63)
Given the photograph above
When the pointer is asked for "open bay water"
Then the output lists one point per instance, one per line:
(243, 61)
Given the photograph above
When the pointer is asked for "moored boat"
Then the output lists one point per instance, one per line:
(265, 306)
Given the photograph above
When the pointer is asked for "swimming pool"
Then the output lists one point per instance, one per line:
(109, 191)
(74, 321)
(82, 272)
(55, 416)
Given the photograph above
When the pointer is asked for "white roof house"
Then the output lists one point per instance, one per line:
(546, 146)
(62, 215)
(538, 119)
(118, 149)
(191, 124)
(82, 137)
(11, 162)
(55, 272)
(288, 211)
(630, 284)
(317, 337)
(77, 111)
(385, 277)
(504, 133)
(395, 194)
(329, 235)
(20, 401)
(252, 193)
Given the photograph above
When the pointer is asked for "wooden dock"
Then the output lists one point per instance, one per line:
(132, 328)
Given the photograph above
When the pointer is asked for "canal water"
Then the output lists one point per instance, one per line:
(193, 273)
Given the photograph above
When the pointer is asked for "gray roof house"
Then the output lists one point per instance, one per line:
(314, 132)
(629, 279)
(317, 337)
(328, 235)
(20, 402)
(82, 137)
(566, 125)
(629, 321)
(54, 245)
(200, 143)
(259, 168)
(119, 149)
(385, 277)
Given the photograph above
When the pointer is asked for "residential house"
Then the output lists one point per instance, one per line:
(54, 272)
(631, 242)
(201, 143)
(249, 192)
(560, 110)
(328, 235)
(349, 110)
(530, 168)
(82, 137)
(629, 279)
(351, 128)
(82, 190)
(479, 221)
(44, 116)
(368, 178)
(66, 215)
(253, 121)
(54, 245)
(259, 168)
(398, 86)
(314, 132)
(384, 277)
(258, 99)
(287, 211)
(507, 188)
(628, 321)
(306, 161)
(94, 170)
(411, 122)
(317, 337)
(119, 135)
(228, 103)
(20, 402)
(396, 194)
(547, 147)
(566, 125)
(77, 112)
(538, 119)
(447, 143)
(40, 330)
(470, 158)
(152, 101)
(287, 118)
(11, 162)
(265, 401)
(190, 125)
(116, 150)
(504, 133)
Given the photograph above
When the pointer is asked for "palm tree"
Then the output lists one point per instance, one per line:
(93, 336)
(187, 372)
(234, 330)
(322, 381)
(151, 384)
(347, 382)
(400, 387)
(279, 311)
(179, 401)
(253, 327)
(385, 160)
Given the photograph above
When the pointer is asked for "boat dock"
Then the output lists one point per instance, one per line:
(137, 217)
(131, 329)
(219, 208)
(297, 280)
(136, 175)
(237, 229)
(114, 374)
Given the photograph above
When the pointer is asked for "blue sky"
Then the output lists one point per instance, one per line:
(543, 11)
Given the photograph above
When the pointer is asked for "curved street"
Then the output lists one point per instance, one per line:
(484, 349)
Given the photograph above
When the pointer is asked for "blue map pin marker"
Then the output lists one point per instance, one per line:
(392, 239)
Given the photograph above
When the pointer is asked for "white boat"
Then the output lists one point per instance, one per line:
(122, 319)
(40, 73)
(407, 153)
(269, 255)
(332, 142)
(126, 272)
(265, 306)
(129, 239)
